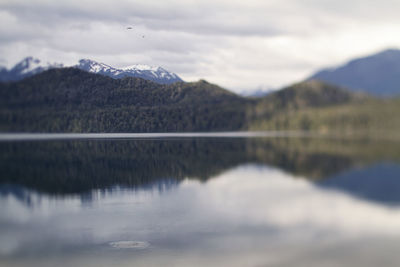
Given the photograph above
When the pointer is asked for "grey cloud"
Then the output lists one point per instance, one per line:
(239, 44)
(208, 18)
(384, 10)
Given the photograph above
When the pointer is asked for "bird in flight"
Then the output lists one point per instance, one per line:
(129, 28)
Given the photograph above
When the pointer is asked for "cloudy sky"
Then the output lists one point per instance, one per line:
(240, 45)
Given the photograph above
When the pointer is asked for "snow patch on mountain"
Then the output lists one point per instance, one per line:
(140, 67)
(156, 74)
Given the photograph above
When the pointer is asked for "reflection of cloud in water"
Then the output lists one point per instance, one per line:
(270, 196)
(247, 216)
(128, 244)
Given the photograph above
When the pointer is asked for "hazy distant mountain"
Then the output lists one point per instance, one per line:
(259, 92)
(27, 67)
(31, 66)
(155, 74)
(377, 74)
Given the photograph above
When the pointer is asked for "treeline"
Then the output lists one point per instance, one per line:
(125, 119)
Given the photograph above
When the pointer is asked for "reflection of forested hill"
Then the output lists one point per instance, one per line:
(317, 158)
(76, 166)
(62, 167)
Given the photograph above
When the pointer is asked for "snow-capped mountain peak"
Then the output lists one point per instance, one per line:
(156, 74)
(28, 64)
(96, 67)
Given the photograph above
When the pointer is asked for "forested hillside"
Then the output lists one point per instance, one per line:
(324, 108)
(71, 100)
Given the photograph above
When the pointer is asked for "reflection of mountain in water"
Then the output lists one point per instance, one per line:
(380, 182)
(18, 192)
(65, 167)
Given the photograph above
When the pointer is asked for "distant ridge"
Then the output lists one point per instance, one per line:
(27, 67)
(31, 66)
(378, 74)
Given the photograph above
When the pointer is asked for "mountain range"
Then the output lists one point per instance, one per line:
(377, 74)
(103, 100)
(31, 66)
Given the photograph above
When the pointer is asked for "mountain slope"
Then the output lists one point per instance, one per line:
(72, 100)
(323, 108)
(372, 118)
(377, 74)
(303, 95)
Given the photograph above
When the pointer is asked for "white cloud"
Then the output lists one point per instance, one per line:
(270, 196)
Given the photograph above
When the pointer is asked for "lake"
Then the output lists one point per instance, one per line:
(224, 199)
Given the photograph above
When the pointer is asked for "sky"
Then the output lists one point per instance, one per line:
(239, 45)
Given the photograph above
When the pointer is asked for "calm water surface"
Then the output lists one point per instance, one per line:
(199, 201)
